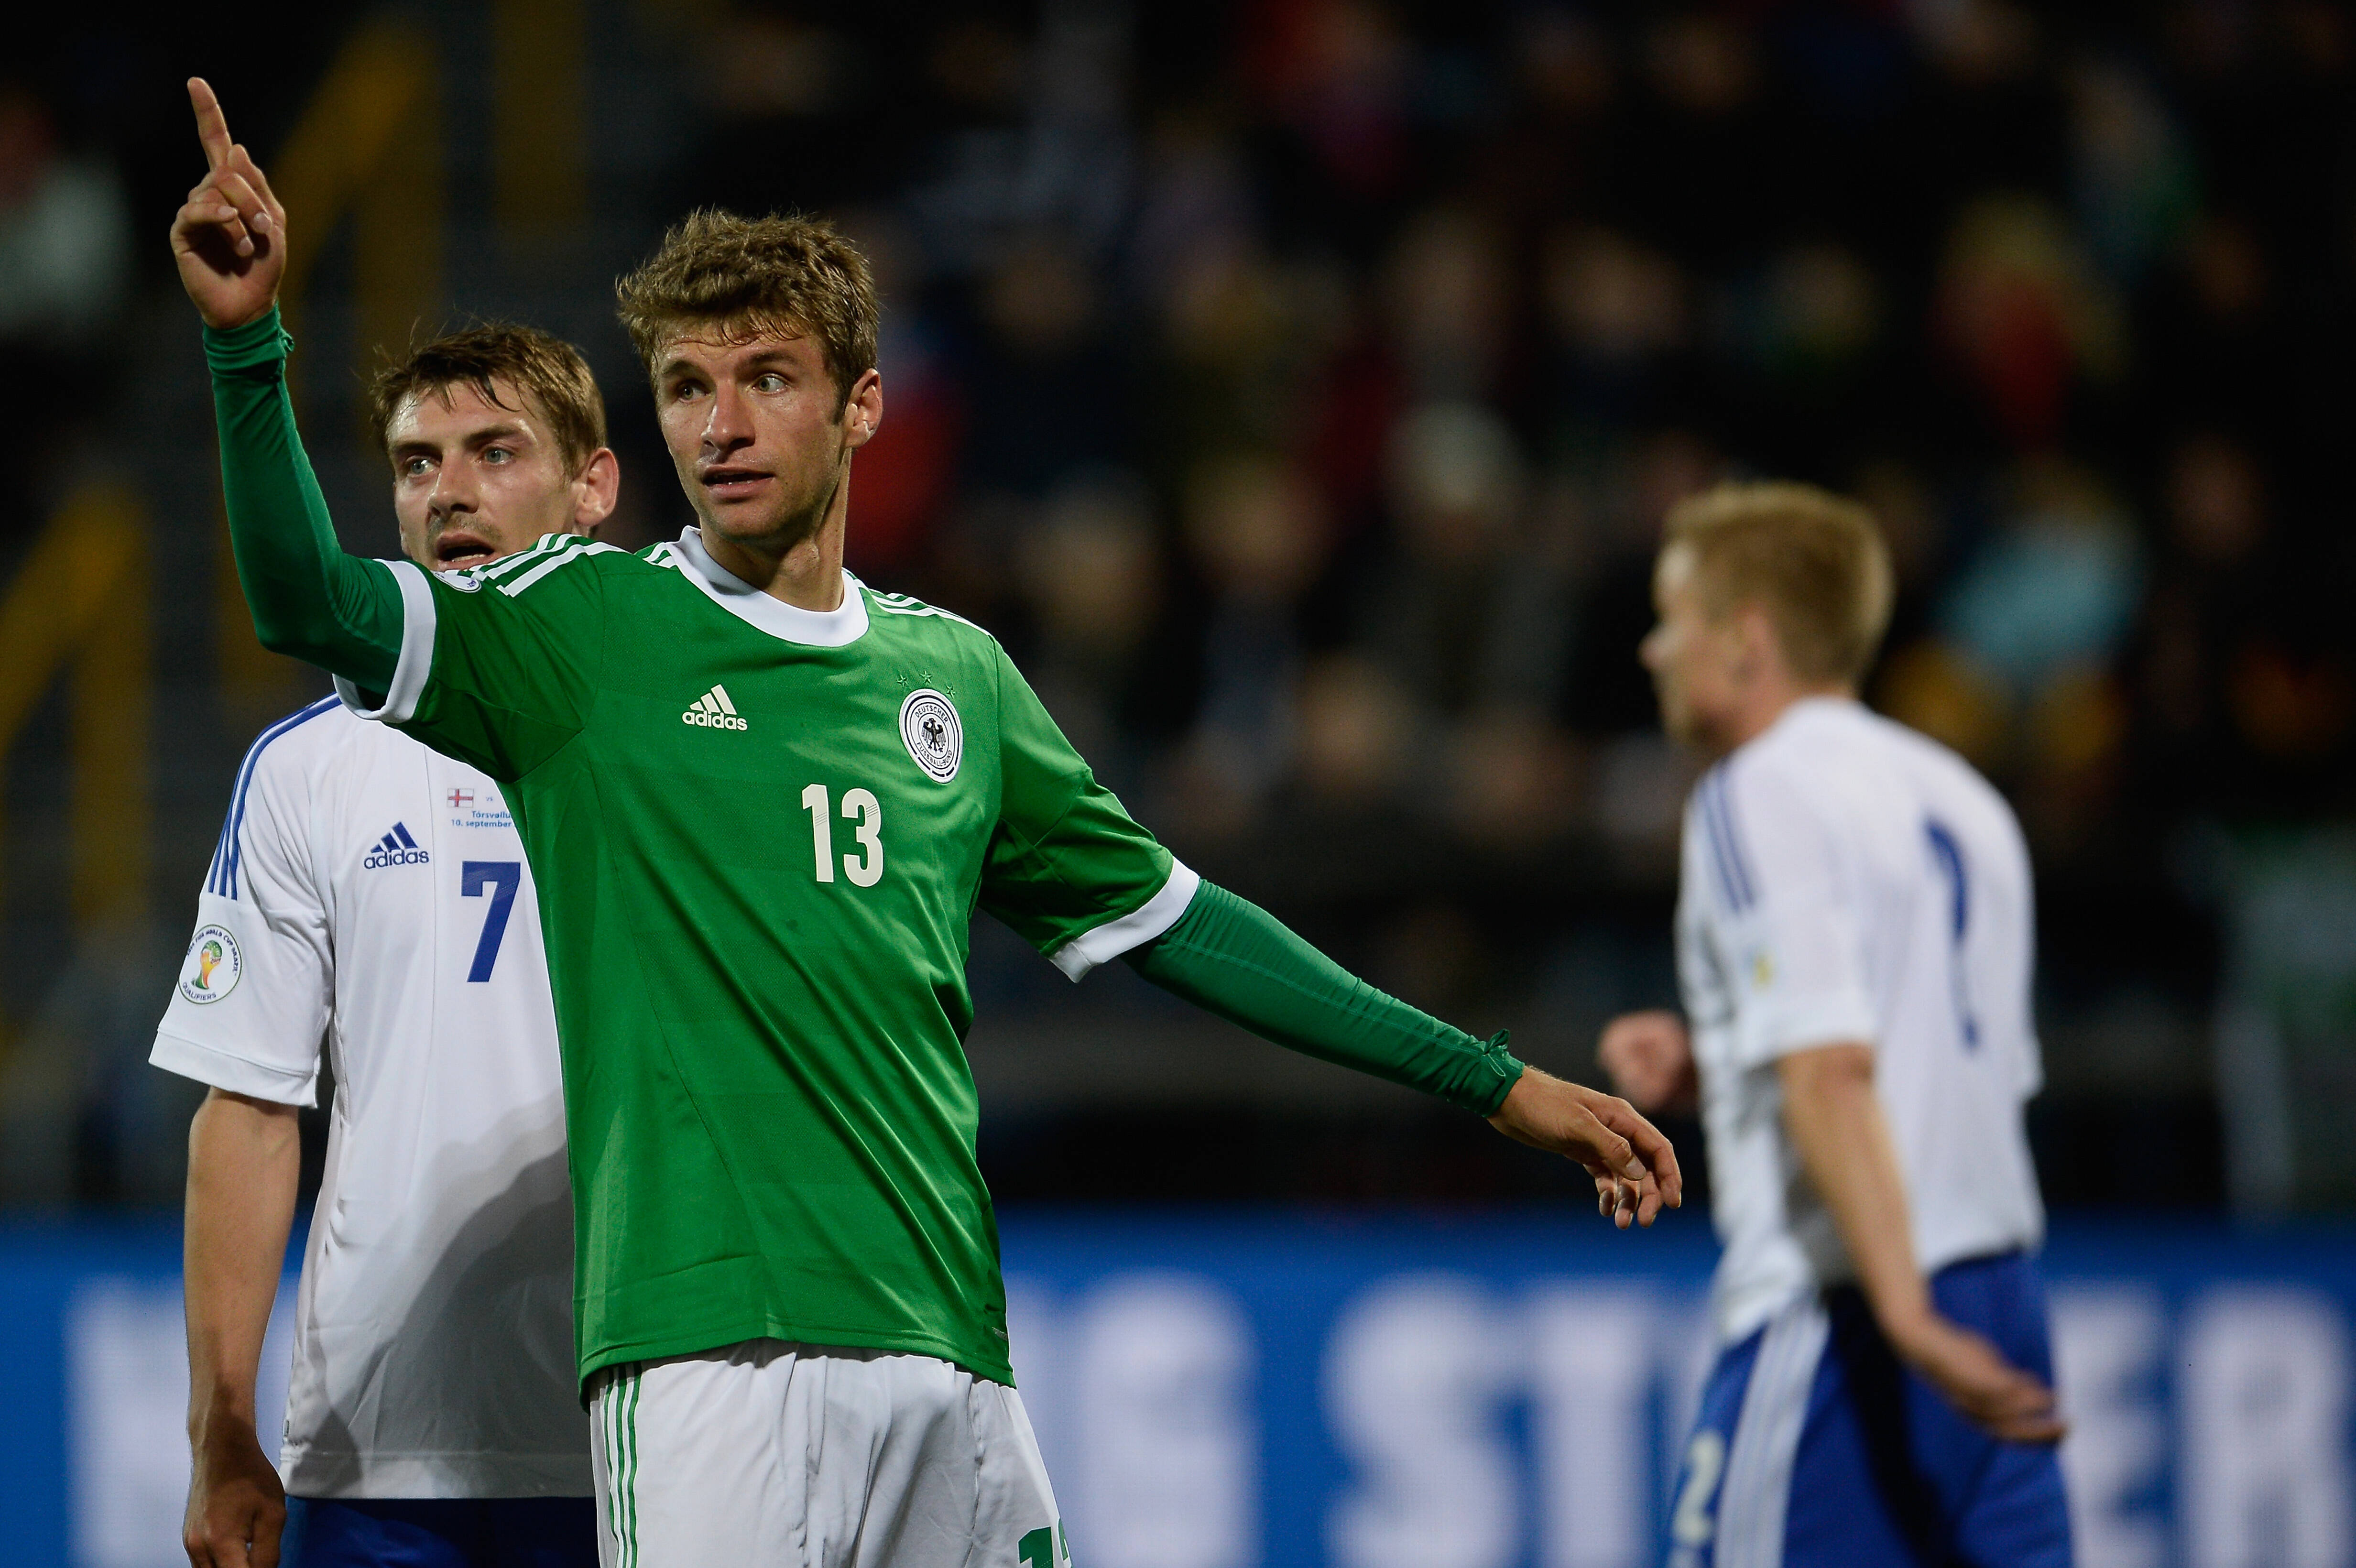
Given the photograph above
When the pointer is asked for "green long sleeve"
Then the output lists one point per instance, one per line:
(1229, 956)
(309, 598)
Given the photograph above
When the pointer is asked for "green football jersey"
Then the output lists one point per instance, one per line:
(759, 835)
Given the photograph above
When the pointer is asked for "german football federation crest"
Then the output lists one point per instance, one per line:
(211, 969)
(928, 723)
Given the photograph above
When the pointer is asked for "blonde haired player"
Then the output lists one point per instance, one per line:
(1854, 944)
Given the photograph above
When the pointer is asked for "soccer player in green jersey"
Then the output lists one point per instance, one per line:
(761, 802)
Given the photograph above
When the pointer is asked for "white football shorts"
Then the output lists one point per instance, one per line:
(771, 1455)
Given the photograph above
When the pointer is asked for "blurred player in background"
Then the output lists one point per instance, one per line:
(1854, 943)
(373, 893)
(763, 802)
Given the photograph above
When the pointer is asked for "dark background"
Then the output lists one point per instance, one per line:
(1297, 388)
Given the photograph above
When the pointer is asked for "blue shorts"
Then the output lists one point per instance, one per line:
(440, 1532)
(1816, 1449)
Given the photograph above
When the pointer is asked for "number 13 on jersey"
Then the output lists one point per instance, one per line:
(864, 868)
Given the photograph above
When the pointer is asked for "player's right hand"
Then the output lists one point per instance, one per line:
(1634, 1167)
(1993, 1393)
(237, 1505)
(229, 238)
(1650, 1059)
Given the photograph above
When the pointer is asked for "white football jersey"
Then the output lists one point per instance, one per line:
(371, 896)
(1845, 879)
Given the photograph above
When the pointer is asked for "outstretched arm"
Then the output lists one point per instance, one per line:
(1845, 1148)
(1231, 957)
(244, 1156)
(309, 598)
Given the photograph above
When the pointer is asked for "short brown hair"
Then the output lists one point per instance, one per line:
(544, 368)
(1815, 562)
(753, 277)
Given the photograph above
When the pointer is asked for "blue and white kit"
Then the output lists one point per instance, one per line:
(1846, 880)
(370, 898)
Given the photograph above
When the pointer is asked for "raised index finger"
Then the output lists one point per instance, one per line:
(213, 125)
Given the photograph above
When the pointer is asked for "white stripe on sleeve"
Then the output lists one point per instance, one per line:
(1115, 937)
(416, 661)
(218, 1069)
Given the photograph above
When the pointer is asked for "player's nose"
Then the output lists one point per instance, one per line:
(727, 427)
(451, 496)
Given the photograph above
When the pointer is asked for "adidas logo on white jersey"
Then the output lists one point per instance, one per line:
(713, 710)
(395, 848)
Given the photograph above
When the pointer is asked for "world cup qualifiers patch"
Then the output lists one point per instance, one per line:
(211, 969)
(928, 724)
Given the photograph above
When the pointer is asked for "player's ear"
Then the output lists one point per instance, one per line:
(597, 490)
(862, 410)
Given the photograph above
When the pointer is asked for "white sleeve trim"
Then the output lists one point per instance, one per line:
(220, 1070)
(1115, 937)
(416, 661)
(1785, 1026)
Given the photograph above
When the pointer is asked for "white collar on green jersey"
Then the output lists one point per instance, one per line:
(835, 628)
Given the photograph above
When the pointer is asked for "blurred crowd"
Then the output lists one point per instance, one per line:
(1297, 386)
(66, 273)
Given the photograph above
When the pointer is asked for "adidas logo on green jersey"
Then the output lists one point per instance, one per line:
(713, 710)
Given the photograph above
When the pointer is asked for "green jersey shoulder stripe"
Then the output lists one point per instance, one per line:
(585, 548)
(507, 566)
(901, 604)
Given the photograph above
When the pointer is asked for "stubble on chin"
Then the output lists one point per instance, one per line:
(779, 530)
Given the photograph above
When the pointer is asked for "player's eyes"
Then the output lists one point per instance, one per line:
(772, 382)
(498, 454)
(416, 467)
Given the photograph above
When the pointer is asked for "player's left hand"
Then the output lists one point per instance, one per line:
(237, 1506)
(2001, 1399)
(1634, 1169)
